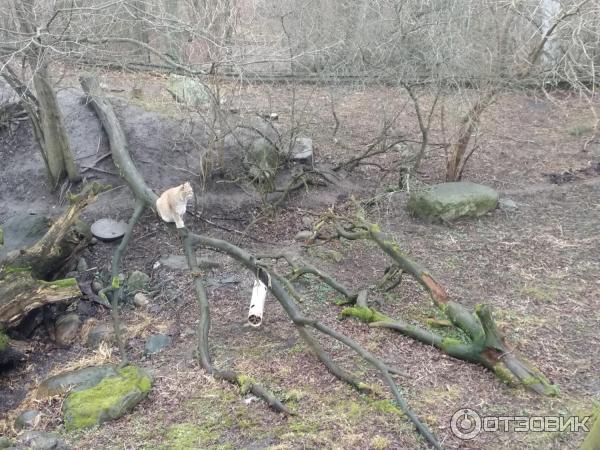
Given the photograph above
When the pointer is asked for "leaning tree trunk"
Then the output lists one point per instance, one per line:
(55, 144)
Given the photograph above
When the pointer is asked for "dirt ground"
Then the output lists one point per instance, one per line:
(537, 266)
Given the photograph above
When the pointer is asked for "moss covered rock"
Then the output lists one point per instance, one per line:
(75, 379)
(446, 202)
(110, 399)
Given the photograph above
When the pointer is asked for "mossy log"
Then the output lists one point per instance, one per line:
(23, 273)
(20, 293)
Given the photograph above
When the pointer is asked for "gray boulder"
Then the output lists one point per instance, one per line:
(251, 149)
(137, 281)
(188, 91)
(40, 440)
(446, 202)
(262, 160)
(75, 379)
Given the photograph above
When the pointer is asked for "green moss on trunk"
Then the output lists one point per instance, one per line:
(365, 314)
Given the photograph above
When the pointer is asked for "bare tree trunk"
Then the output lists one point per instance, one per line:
(141, 30)
(173, 44)
(56, 142)
(551, 51)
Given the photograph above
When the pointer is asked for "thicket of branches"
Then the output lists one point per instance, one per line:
(450, 57)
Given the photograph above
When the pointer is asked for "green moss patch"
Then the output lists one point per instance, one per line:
(191, 436)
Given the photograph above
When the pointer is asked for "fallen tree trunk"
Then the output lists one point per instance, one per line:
(20, 294)
(486, 345)
(24, 273)
(283, 291)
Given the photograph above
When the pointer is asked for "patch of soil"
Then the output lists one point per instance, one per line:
(568, 176)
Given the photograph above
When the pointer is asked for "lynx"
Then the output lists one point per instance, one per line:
(172, 203)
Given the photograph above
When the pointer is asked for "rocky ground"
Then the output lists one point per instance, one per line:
(534, 260)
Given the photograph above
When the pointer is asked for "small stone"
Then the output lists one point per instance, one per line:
(307, 223)
(102, 332)
(27, 420)
(187, 332)
(82, 265)
(96, 286)
(174, 262)
(156, 343)
(141, 300)
(137, 281)
(66, 329)
(302, 150)
(507, 203)
(304, 235)
(40, 440)
(93, 241)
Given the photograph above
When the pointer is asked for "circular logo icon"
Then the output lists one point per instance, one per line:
(465, 424)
